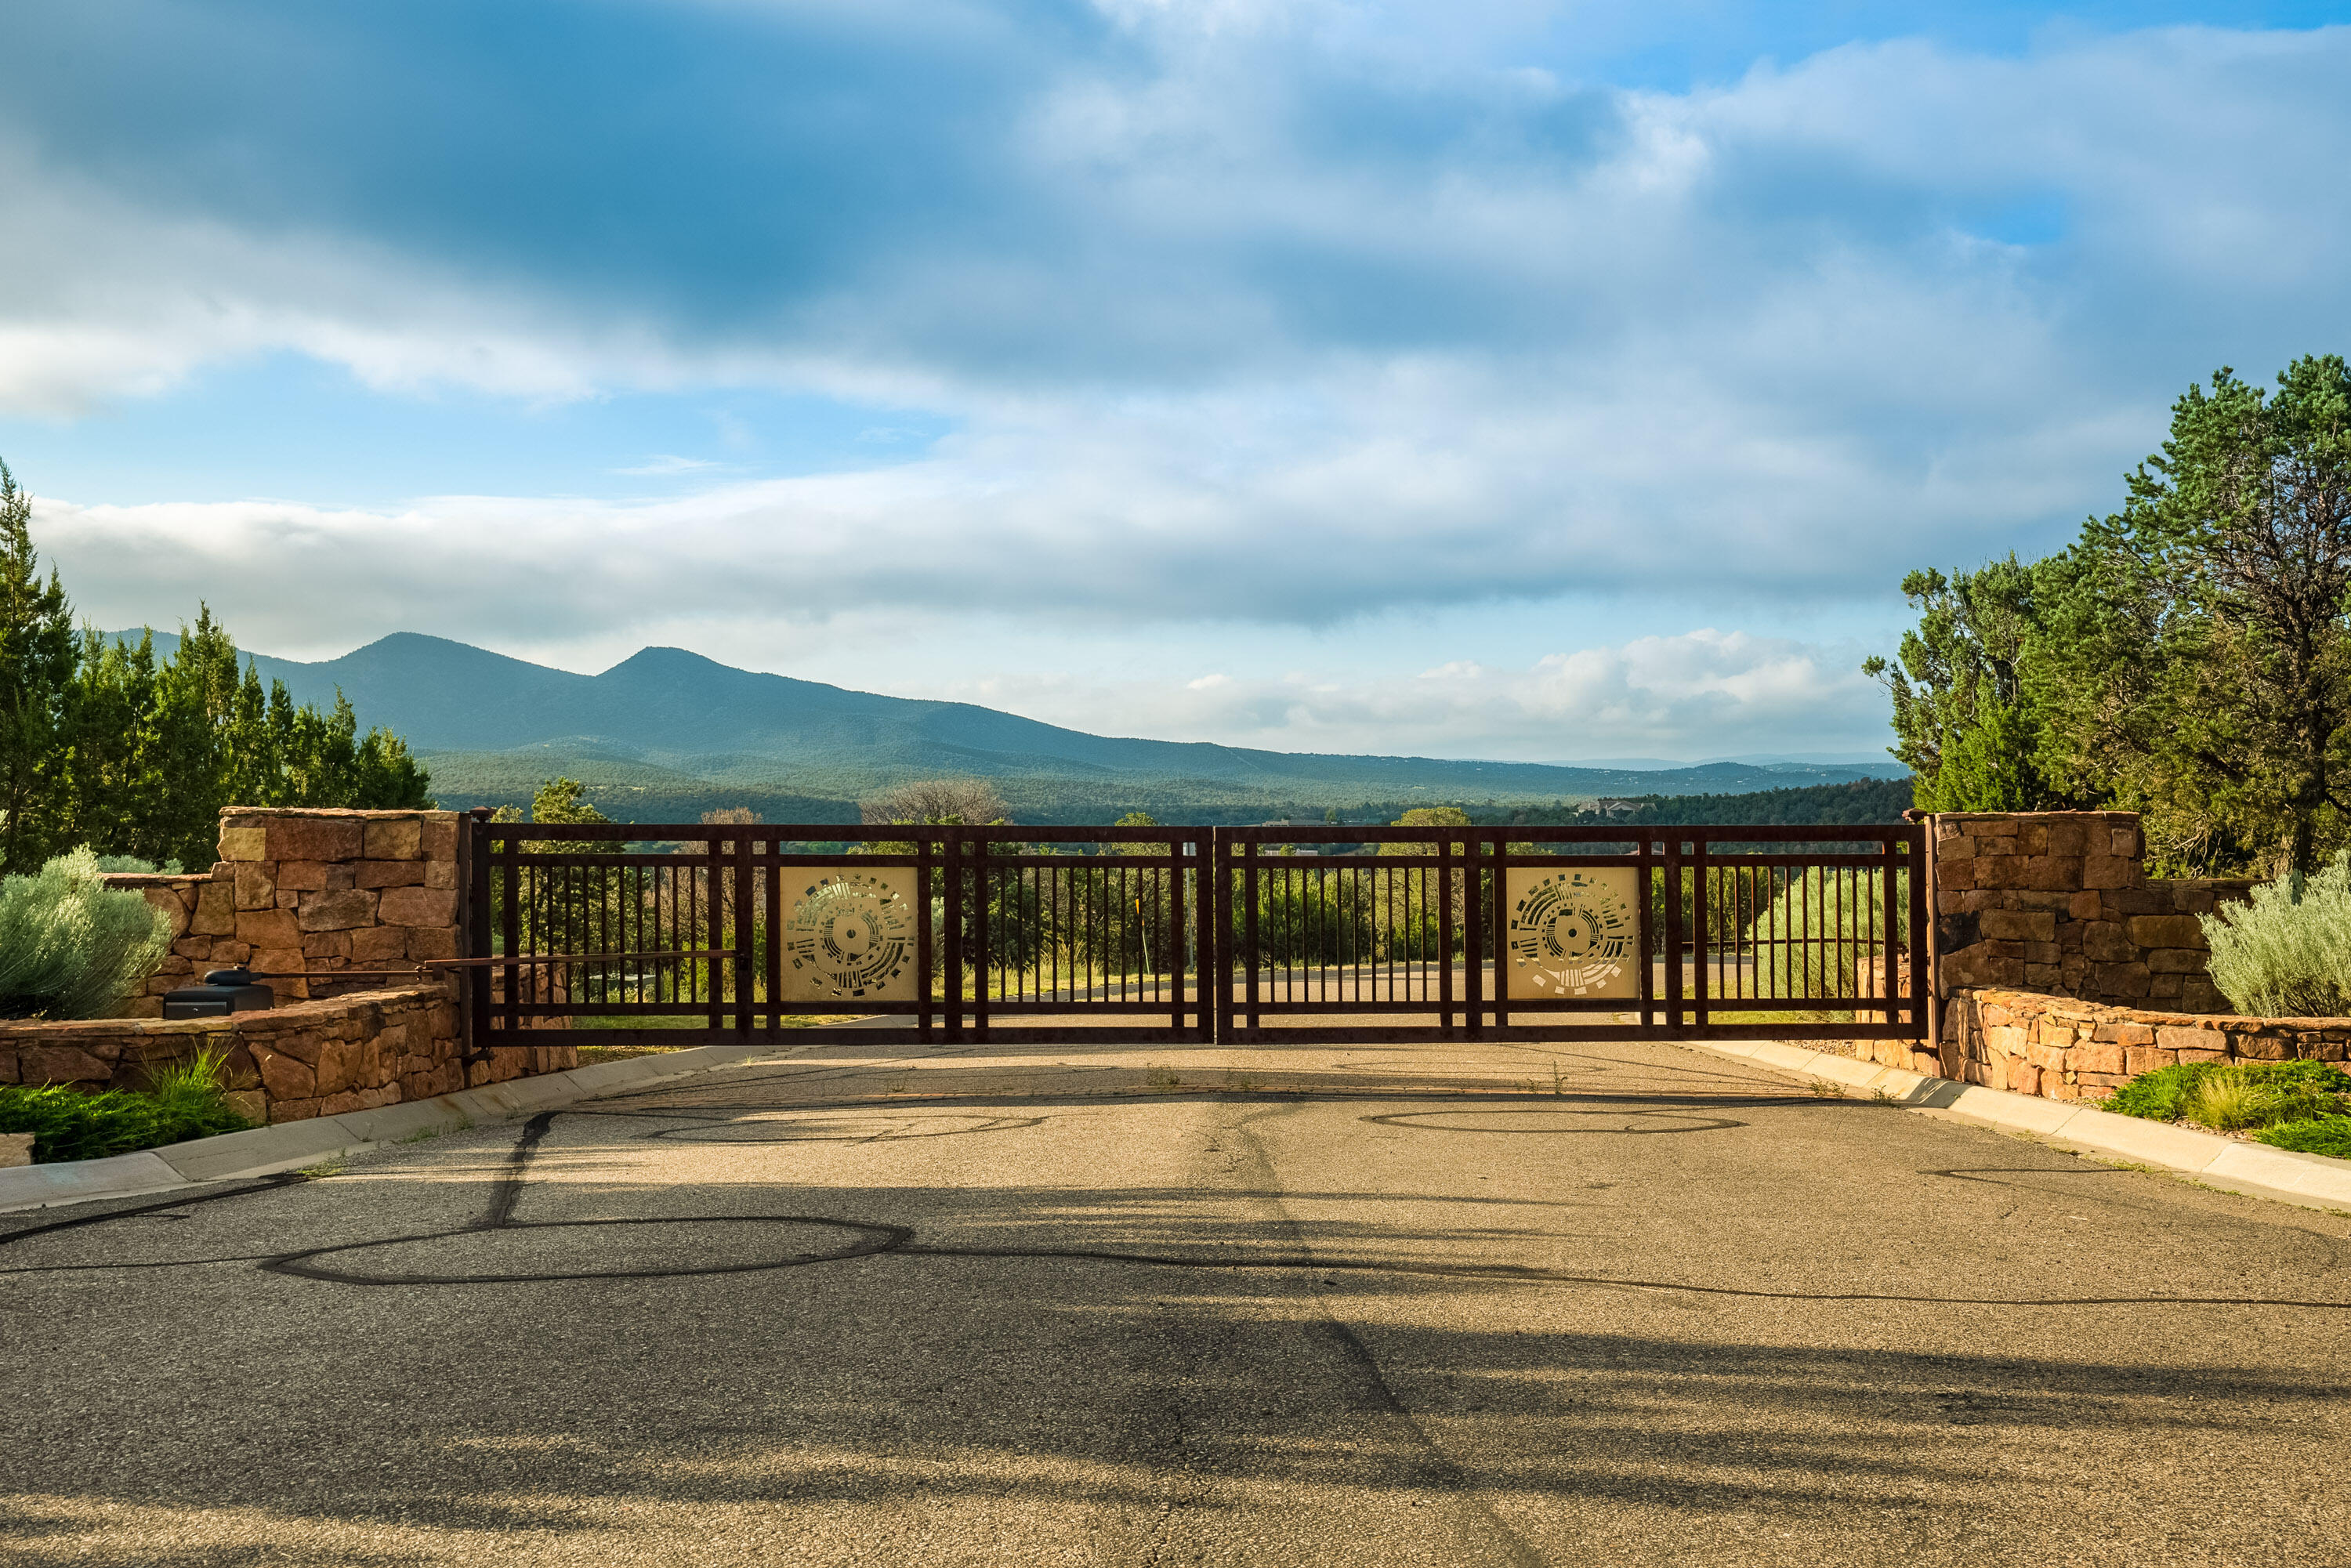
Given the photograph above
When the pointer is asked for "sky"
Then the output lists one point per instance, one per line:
(1501, 379)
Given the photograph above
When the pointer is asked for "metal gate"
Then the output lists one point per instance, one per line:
(696, 933)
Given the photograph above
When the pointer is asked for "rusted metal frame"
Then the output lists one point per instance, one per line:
(743, 931)
(1645, 937)
(1176, 1010)
(473, 848)
(1673, 902)
(1858, 833)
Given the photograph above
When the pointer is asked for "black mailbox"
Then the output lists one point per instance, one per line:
(223, 991)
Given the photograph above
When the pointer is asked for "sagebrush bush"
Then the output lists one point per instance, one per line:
(2274, 958)
(184, 1101)
(71, 947)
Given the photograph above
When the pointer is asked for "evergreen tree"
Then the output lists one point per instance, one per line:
(37, 664)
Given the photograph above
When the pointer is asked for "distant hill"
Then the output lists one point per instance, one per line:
(666, 734)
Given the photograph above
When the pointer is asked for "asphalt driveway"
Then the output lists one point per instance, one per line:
(1332, 1304)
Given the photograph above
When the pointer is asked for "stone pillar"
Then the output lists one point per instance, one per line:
(2059, 902)
(316, 892)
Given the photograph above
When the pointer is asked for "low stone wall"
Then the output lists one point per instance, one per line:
(318, 893)
(2060, 902)
(2063, 1049)
(306, 1058)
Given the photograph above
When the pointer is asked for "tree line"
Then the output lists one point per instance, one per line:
(2188, 657)
(103, 744)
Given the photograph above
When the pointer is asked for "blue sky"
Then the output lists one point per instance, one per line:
(1502, 379)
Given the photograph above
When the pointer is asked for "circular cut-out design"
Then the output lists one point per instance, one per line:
(840, 1128)
(594, 1249)
(851, 936)
(1548, 1120)
(1573, 932)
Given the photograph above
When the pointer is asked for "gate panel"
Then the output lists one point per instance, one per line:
(692, 933)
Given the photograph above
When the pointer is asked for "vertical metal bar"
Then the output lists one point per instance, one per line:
(984, 953)
(771, 949)
(951, 845)
(512, 1019)
(1925, 1014)
(1499, 930)
(1646, 933)
(1701, 875)
(1673, 888)
(1175, 934)
(1445, 930)
(473, 851)
(1473, 940)
(743, 933)
(1894, 1017)
(926, 960)
(1252, 956)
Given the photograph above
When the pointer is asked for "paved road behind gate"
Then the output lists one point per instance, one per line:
(1458, 1304)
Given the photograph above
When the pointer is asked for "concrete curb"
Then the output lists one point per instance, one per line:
(2311, 1181)
(289, 1145)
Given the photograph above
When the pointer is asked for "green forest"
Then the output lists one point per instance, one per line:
(102, 744)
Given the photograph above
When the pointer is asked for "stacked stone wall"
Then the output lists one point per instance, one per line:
(2063, 1049)
(289, 1063)
(320, 895)
(2059, 901)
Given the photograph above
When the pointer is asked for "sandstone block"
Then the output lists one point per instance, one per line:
(2264, 1046)
(2106, 942)
(337, 911)
(418, 906)
(375, 944)
(256, 884)
(2126, 981)
(2048, 1058)
(1954, 875)
(2050, 874)
(441, 874)
(215, 913)
(432, 942)
(2105, 872)
(2098, 1058)
(2085, 906)
(314, 837)
(39, 1064)
(390, 873)
(2209, 1040)
(2016, 925)
(2023, 1077)
(1998, 870)
(267, 928)
(2178, 960)
(2122, 844)
(2167, 930)
(396, 839)
(243, 840)
(2163, 988)
(2139, 1059)
(2070, 838)
(229, 954)
(338, 1066)
(284, 1078)
(302, 876)
(2122, 1033)
(253, 1104)
(437, 836)
(326, 949)
(292, 1111)
(175, 909)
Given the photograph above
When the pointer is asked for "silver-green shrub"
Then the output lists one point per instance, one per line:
(71, 947)
(2275, 959)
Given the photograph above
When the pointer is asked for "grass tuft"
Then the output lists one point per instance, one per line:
(187, 1100)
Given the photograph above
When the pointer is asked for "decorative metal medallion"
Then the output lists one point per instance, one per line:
(851, 937)
(1573, 933)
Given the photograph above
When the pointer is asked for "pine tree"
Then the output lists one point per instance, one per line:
(36, 662)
